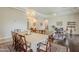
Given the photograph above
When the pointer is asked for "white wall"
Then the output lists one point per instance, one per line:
(10, 19)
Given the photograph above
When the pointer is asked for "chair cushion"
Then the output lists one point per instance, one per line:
(43, 47)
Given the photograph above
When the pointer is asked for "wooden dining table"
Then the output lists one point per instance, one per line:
(34, 39)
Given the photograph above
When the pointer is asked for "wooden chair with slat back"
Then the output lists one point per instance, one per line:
(16, 41)
(19, 42)
(22, 44)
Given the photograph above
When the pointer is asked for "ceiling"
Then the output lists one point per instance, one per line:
(52, 10)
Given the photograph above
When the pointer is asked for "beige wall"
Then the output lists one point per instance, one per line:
(10, 19)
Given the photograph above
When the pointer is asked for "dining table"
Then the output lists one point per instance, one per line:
(34, 39)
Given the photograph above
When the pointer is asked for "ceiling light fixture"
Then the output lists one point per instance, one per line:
(30, 12)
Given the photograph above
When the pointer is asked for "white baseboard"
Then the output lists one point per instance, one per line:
(5, 39)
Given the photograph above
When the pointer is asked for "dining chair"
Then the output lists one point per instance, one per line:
(14, 34)
(43, 47)
(21, 44)
(51, 47)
